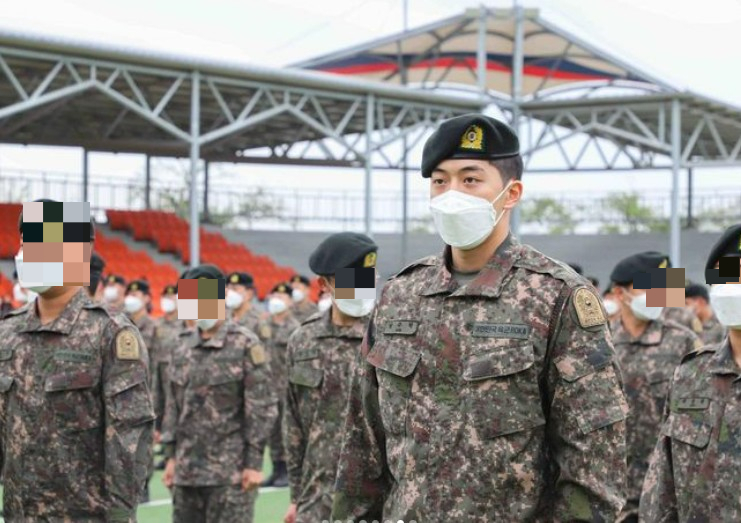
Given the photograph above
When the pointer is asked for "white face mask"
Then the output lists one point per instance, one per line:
(36, 289)
(357, 308)
(233, 299)
(133, 304)
(611, 306)
(206, 324)
(643, 311)
(276, 306)
(324, 304)
(464, 221)
(298, 295)
(110, 294)
(726, 301)
(168, 305)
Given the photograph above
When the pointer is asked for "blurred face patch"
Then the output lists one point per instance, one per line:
(201, 299)
(56, 244)
(355, 283)
(664, 286)
(728, 271)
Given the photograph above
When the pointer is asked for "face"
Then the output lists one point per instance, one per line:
(475, 177)
(302, 287)
(285, 298)
(717, 266)
(143, 297)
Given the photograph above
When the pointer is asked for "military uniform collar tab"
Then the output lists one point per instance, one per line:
(651, 336)
(64, 322)
(491, 278)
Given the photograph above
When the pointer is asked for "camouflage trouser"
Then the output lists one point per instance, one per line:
(224, 504)
(277, 453)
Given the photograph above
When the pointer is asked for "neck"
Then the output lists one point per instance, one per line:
(473, 260)
(280, 317)
(633, 325)
(734, 337)
(138, 315)
(171, 316)
(341, 319)
(50, 307)
(211, 332)
(704, 314)
(242, 310)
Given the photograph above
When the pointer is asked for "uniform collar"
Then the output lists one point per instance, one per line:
(327, 329)
(214, 342)
(651, 336)
(489, 280)
(723, 362)
(64, 322)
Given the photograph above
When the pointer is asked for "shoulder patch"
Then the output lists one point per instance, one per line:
(588, 308)
(257, 354)
(127, 346)
(426, 261)
(265, 331)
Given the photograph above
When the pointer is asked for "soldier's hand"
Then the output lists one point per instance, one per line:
(251, 479)
(290, 516)
(169, 475)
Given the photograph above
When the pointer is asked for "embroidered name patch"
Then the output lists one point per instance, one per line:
(501, 330)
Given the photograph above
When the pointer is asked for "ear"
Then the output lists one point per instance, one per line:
(324, 285)
(514, 194)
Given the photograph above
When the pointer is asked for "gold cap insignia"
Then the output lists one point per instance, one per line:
(235, 278)
(473, 139)
(664, 264)
(370, 260)
(134, 286)
(588, 308)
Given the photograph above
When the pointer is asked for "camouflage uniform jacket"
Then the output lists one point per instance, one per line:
(694, 470)
(220, 406)
(76, 414)
(647, 363)
(683, 316)
(253, 320)
(499, 400)
(278, 350)
(713, 331)
(319, 358)
(168, 334)
(301, 311)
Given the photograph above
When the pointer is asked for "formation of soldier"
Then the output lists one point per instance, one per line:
(487, 383)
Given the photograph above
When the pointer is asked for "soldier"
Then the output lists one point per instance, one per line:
(697, 298)
(95, 289)
(320, 353)
(681, 315)
(612, 307)
(113, 294)
(302, 305)
(486, 388)
(693, 472)
(219, 412)
(648, 349)
(76, 414)
(282, 325)
(240, 291)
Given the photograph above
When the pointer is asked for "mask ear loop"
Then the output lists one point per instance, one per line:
(497, 219)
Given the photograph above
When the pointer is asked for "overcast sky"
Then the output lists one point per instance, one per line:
(694, 44)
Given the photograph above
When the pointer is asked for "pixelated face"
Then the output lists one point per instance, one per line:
(726, 270)
(201, 299)
(55, 241)
(664, 287)
(475, 177)
(355, 283)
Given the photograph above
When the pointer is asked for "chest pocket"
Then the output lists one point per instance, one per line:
(502, 394)
(74, 398)
(306, 376)
(395, 360)
(689, 427)
(222, 385)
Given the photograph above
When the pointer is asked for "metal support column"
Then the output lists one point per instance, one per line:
(85, 175)
(674, 241)
(404, 163)
(206, 215)
(518, 59)
(195, 131)
(690, 218)
(148, 182)
(369, 126)
(481, 57)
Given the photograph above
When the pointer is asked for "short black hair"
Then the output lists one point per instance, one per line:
(695, 290)
(510, 168)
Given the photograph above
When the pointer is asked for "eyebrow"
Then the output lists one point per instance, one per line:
(467, 168)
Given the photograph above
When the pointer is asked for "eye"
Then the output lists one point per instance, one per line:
(438, 181)
(470, 179)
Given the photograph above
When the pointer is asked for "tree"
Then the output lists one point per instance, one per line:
(633, 216)
(550, 213)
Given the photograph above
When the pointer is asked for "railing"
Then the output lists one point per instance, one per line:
(306, 209)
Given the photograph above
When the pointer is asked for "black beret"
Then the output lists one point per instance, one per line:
(471, 136)
(577, 268)
(729, 244)
(207, 271)
(241, 278)
(170, 290)
(138, 285)
(626, 269)
(282, 287)
(299, 278)
(97, 263)
(115, 278)
(342, 250)
(696, 290)
(47, 200)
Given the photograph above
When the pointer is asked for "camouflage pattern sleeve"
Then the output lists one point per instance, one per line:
(260, 403)
(586, 413)
(294, 435)
(658, 498)
(362, 472)
(129, 420)
(169, 420)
